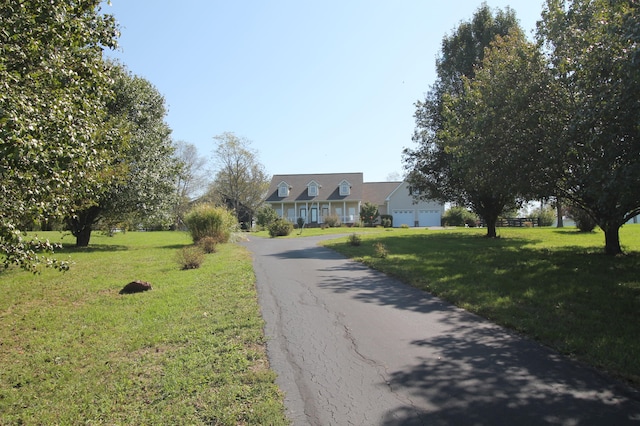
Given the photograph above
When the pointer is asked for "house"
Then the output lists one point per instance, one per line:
(313, 197)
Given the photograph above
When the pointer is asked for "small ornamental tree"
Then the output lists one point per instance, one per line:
(369, 213)
(265, 216)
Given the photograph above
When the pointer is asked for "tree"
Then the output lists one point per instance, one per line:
(191, 180)
(53, 87)
(369, 213)
(240, 182)
(593, 48)
(139, 183)
(455, 160)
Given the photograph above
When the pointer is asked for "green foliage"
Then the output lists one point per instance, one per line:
(354, 239)
(546, 216)
(140, 184)
(280, 228)
(190, 257)
(381, 250)
(265, 216)
(300, 222)
(459, 216)
(369, 213)
(386, 220)
(207, 220)
(52, 108)
(332, 221)
(593, 52)
(460, 157)
(582, 218)
(187, 352)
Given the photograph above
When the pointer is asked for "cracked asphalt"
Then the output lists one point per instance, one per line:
(352, 346)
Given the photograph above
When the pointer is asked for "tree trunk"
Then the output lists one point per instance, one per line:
(612, 240)
(81, 225)
(559, 213)
(491, 228)
(83, 236)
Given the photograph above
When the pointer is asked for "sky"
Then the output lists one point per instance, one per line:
(314, 86)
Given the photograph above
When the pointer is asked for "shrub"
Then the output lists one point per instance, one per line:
(207, 220)
(545, 216)
(354, 240)
(381, 250)
(280, 228)
(265, 216)
(459, 216)
(190, 257)
(208, 244)
(386, 220)
(404, 226)
(300, 222)
(584, 221)
(332, 220)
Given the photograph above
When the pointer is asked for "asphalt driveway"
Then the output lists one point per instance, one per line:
(352, 346)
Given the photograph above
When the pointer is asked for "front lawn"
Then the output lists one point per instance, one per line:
(190, 351)
(553, 285)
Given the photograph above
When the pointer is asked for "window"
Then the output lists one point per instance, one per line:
(345, 188)
(312, 189)
(283, 190)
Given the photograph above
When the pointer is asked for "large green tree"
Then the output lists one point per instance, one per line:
(451, 163)
(139, 184)
(53, 86)
(594, 49)
(241, 182)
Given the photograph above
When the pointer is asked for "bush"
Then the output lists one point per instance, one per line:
(190, 257)
(369, 213)
(459, 216)
(332, 221)
(280, 228)
(265, 216)
(381, 250)
(584, 221)
(545, 216)
(354, 240)
(386, 220)
(207, 220)
(208, 244)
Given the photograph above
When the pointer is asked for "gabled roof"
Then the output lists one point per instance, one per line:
(377, 192)
(329, 187)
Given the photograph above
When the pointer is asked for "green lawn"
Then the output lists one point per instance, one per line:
(553, 285)
(190, 351)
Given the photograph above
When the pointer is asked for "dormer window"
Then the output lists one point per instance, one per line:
(345, 188)
(312, 189)
(283, 189)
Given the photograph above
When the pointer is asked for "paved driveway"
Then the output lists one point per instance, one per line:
(352, 346)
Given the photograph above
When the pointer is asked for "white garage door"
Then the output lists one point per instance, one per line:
(403, 217)
(429, 217)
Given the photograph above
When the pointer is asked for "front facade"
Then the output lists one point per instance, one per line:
(314, 197)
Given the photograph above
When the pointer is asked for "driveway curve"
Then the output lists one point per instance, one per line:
(352, 346)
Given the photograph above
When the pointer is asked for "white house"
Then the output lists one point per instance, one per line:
(316, 196)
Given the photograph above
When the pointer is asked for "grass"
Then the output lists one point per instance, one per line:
(190, 351)
(553, 285)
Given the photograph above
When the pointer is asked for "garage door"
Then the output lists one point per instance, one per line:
(429, 217)
(403, 217)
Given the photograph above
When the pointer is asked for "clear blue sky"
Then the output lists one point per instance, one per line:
(316, 86)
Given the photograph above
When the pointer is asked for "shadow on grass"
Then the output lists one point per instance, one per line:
(72, 248)
(574, 299)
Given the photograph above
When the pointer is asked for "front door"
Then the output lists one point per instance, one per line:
(314, 215)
